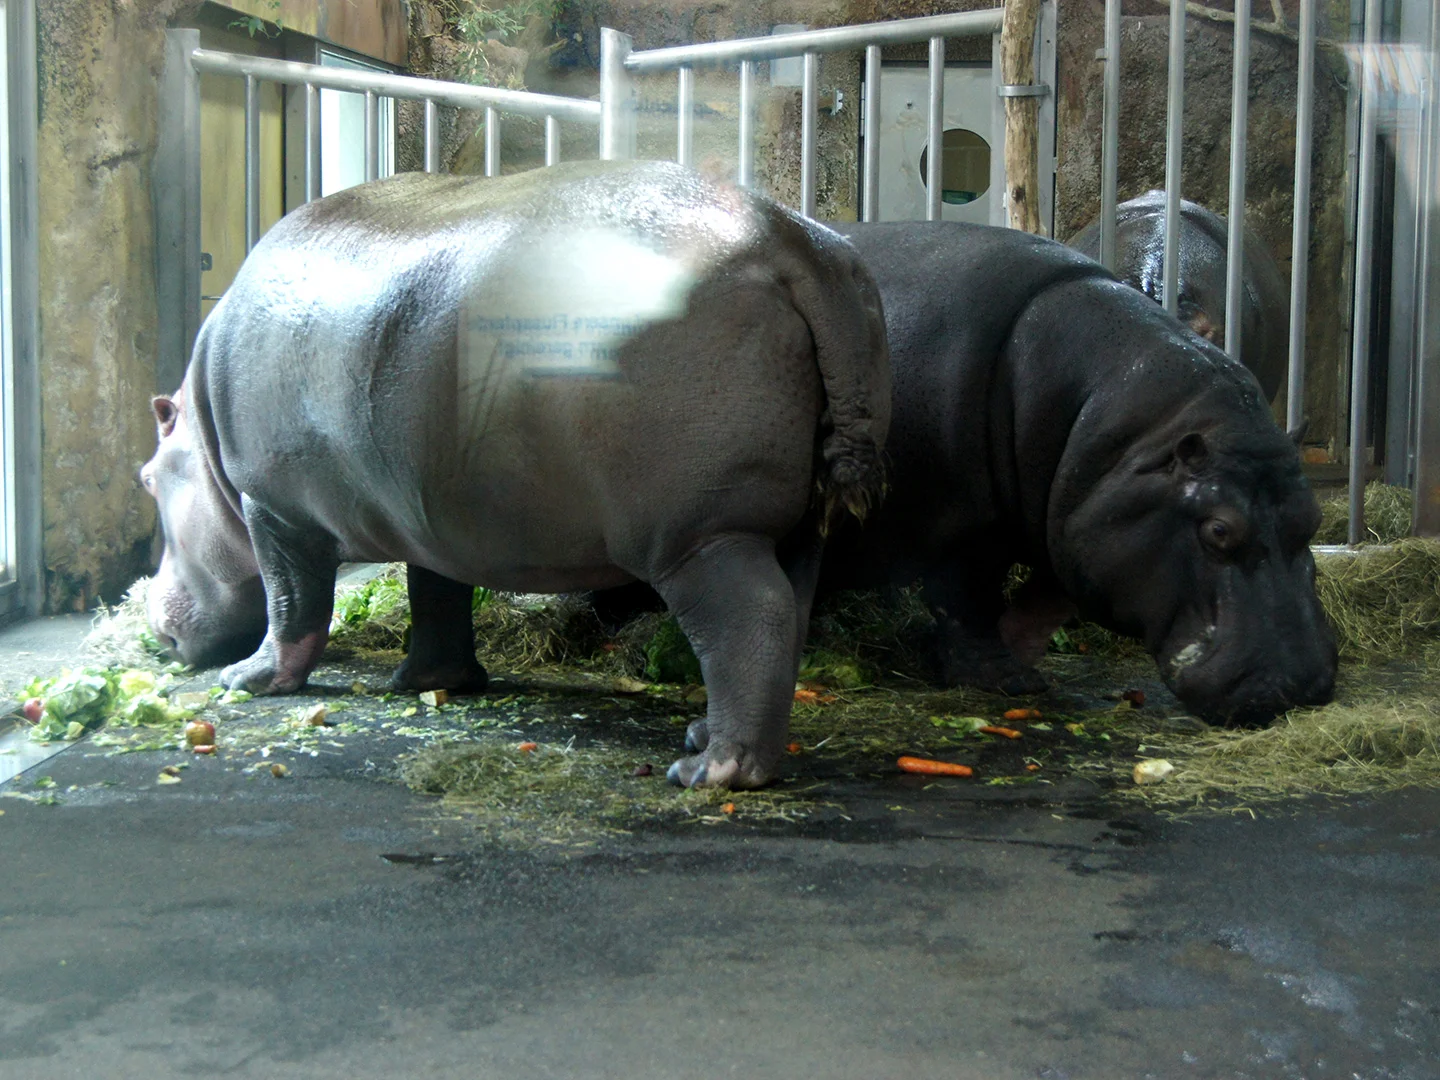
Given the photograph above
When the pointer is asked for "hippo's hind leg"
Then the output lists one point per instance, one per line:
(967, 599)
(737, 607)
(799, 557)
(298, 568)
(442, 636)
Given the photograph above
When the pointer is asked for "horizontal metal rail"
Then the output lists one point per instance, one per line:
(409, 87)
(834, 39)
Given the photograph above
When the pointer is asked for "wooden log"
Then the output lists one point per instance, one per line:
(1022, 115)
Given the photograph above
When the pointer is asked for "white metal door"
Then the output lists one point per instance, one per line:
(968, 118)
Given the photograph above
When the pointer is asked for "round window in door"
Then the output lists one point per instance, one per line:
(964, 166)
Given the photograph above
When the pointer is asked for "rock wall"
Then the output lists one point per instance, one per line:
(99, 67)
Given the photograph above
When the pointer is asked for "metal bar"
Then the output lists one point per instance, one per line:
(1364, 241)
(408, 87)
(834, 39)
(552, 141)
(252, 162)
(372, 136)
(617, 98)
(432, 136)
(312, 142)
(685, 123)
(492, 142)
(175, 195)
(747, 124)
(935, 131)
(1239, 123)
(1300, 237)
(870, 191)
(1427, 328)
(22, 333)
(807, 134)
(1110, 135)
(1174, 116)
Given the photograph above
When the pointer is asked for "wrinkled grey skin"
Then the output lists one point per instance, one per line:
(1140, 262)
(1048, 415)
(337, 407)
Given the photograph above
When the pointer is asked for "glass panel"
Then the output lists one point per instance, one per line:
(342, 132)
(964, 166)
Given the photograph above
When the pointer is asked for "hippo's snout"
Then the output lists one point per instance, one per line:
(1257, 694)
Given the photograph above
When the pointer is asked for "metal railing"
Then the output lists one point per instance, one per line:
(1423, 428)
(618, 63)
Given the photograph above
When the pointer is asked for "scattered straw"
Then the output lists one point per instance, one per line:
(120, 636)
(566, 793)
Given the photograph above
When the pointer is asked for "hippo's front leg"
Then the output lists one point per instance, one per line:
(298, 568)
(737, 607)
(442, 636)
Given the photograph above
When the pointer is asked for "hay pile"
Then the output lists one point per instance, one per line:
(1389, 511)
(1384, 602)
(1369, 745)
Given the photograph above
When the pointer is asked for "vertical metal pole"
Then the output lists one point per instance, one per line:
(1239, 117)
(1174, 117)
(432, 137)
(176, 198)
(617, 97)
(1427, 323)
(492, 141)
(685, 117)
(1110, 135)
(372, 136)
(807, 134)
(312, 142)
(552, 141)
(252, 163)
(935, 128)
(870, 192)
(1364, 242)
(1300, 238)
(747, 124)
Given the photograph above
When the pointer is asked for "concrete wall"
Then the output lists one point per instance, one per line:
(99, 66)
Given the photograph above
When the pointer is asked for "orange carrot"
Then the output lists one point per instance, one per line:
(1032, 767)
(526, 747)
(931, 767)
(727, 808)
(1022, 714)
(794, 748)
(1008, 732)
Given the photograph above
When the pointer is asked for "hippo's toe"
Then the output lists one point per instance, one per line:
(727, 770)
(697, 736)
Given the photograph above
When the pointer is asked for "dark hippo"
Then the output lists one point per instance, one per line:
(1140, 262)
(566, 379)
(1046, 414)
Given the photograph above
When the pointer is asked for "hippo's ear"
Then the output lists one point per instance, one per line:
(1191, 451)
(1297, 434)
(166, 413)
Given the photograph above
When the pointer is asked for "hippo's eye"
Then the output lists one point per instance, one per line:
(1223, 532)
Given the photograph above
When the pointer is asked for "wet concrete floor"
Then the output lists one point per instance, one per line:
(242, 925)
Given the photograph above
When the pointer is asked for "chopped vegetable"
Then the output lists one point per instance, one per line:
(527, 747)
(794, 748)
(931, 767)
(203, 748)
(1022, 714)
(434, 697)
(1008, 732)
(34, 709)
(200, 733)
(1152, 770)
(727, 808)
(279, 771)
(1134, 697)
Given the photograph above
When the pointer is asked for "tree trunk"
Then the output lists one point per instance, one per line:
(1022, 115)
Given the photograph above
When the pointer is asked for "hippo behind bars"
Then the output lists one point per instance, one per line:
(566, 379)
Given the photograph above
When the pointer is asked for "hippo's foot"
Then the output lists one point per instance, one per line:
(459, 677)
(278, 667)
(723, 765)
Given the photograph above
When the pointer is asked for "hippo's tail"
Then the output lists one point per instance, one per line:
(847, 322)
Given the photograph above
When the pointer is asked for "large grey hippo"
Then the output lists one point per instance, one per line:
(566, 379)
(1046, 414)
(1140, 262)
